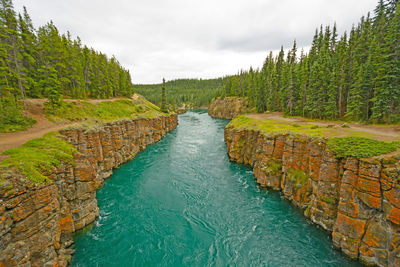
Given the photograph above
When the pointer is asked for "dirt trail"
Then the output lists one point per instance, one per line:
(384, 132)
(41, 127)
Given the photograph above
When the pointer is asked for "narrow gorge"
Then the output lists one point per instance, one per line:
(183, 142)
(357, 200)
(183, 203)
(37, 220)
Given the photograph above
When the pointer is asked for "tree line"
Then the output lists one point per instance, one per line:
(42, 62)
(192, 92)
(355, 76)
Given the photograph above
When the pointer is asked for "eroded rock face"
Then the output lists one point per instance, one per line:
(228, 107)
(181, 111)
(37, 220)
(357, 200)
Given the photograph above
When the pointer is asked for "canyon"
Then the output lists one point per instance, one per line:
(228, 107)
(183, 203)
(357, 200)
(37, 220)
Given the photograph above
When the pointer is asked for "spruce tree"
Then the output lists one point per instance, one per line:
(163, 98)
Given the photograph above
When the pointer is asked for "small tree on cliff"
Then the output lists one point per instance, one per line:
(163, 98)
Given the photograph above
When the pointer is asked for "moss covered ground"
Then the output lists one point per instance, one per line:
(104, 111)
(343, 141)
(360, 147)
(39, 156)
(275, 126)
(12, 119)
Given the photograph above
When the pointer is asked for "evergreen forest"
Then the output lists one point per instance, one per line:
(43, 63)
(355, 76)
(192, 92)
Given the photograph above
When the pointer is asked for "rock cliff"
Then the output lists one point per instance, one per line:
(228, 107)
(37, 220)
(181, 111)
(358, 201)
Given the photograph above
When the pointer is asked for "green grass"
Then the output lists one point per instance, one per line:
(297, 176)
(275, 127)
(39, 156)
(103, 111)
(357, 144)
(12, 119)
(272, 167)
(360, 147)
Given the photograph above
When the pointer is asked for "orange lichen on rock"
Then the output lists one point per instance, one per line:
(357, 200)
(228, 107)
(37, 220)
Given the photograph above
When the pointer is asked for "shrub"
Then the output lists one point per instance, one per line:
(11, 117)
(273, 167)
(297, 176)
(360, 147)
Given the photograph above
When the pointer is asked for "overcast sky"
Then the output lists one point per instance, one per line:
(193, 39)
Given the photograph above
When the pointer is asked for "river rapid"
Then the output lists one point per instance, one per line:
(181, 202)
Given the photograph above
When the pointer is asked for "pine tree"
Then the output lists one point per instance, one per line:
(45, 63)
(13, 46)
(355, 76)
(163, 98)
(51, 86)
(29, 53)
(355, 104)
(260, 97)
(251, 86)
(393, 58)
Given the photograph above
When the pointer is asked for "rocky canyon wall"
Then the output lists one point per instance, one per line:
(228, 107)
(37, 220)
(358, 201)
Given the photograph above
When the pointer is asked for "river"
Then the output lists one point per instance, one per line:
(181, 202)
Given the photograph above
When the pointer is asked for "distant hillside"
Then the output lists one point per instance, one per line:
(196, 92)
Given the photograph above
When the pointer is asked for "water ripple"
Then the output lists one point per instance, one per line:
(183, 203)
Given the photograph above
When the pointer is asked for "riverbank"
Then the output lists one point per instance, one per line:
(40, 211)
(75, 112)
(228, 107)
(356, 199)
(183, 203)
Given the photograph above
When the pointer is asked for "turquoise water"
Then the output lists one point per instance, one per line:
(182, 203)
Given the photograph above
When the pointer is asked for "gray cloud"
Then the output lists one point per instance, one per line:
(263, 41)
(186, 38)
